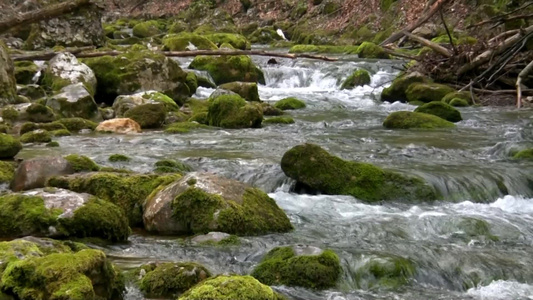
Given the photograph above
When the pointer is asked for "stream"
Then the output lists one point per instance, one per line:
(469, 166)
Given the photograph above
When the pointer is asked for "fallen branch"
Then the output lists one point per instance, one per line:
(50, 54)
(521, 76)
(448, 32)
(502, 35)
(499, 17)
(434, 46)
(501, 20)
(49, 12)
(402, 55)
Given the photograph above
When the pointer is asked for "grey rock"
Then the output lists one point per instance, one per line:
(33, 173)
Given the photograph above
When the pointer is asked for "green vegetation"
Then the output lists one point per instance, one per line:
(410, 120)
(247, 90)
(427, 92)
(36, 136)
(397, 90)
(148, 115)
(289, 103)
(39, 113)
(358, 78)
(237, 41)
(171, 166)
(187, 41)
(81, 163)
(232, 111)
(323, 49)
(7, 171)
(77, 124)
(9, 146)
(170, 279)
(229, 69)
(440, 109)
(183, 127)
(389, 272)
(371, 50)
(118, 158)
(279, 120)
(24, 71)
(526, 154)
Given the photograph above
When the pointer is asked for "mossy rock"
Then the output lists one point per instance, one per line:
(410, 120)
(192, 82)
(457, 102)
(226, 287)
(39, 113)
(360, 180)
(229, 69)
(31, 91)
(427, 92)
(82, 163)
(64, 70)
(289, 103)
(147, 29)
(25, 71)
(171, 166)
(148, 115)
(52, 144)
(473, 228)
(60, 132)
(279, 120)
(187, 41)
(264, 35)
(440, 109)
(247, 90)
(29, 126)
(74, 101)
(237, 41)
(36, 136)
(371, 50)
(465, 96)
(526, 154)
(184, 127)
(178, 26)
(10, 114)
(123, 103)
(270, 110)
(128, 191)
(118, 158)
(77, 124)
(9, 146)
(358, 78)
(7, 171)
(8, 87)
(397, 90)
(232, 111)
(170, 279)
(284, 266)
(86, 274)
(386, 272)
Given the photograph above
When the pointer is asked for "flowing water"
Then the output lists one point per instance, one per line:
(468, 165)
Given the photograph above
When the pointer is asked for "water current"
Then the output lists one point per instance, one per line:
(468, 165)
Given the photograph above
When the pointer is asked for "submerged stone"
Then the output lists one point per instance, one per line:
(289, 103)
(413, 120)
(440, 109)
(379, 271)
(526, 154)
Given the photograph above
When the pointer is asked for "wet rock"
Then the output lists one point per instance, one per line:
(299, 265)
(8, 90)
(427, 92)
(410, 120)
(371, 50)
(75, 101)
(184, 41)
(119, 125)
(235, 41)
(148, 115)
(269, 110)
(220, 92)
(225, 287)
(464, 96)
(289, 103)
(123, 103)
(31, 91)
(358, 78)
(210, 237)
(247, 90)
(81, 163)
(440, 109)
(36, 136)
(33, 173)
(229, 69)
(397, 90)
(39, 113)
(201, 202)
(380, 271)
(9, 146)
(340, 177)
(25, 71)
(232, 111)
(65, 69)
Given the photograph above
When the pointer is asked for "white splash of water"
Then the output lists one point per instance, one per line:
(502, 290)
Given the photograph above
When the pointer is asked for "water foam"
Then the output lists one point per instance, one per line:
(501, 289)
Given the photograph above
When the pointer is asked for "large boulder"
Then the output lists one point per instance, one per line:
(237, 41)
(61, 213)
(204, 202)
(81, 27)
(123, 103)
(75, 101)
(304, 266)
(138, 70)
(427, 92)
(148, 115)
(398, 88)
(358, 78)
(8, 88)
(247, 90)
(65, 69)
(411, 120)
(340, 177)
(9, 146)
(232, 111)
(289, 104)
(225, 287)
(86, 274)
(440, 109)
(119, 125)
(33, 173)
(224, 69)
(184, 41)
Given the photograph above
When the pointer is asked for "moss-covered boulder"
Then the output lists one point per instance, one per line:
(204, 202)
(237, 41)
(187, 41)
(137, 70)
(264, 35)
(167, 280)
(410, 120)
(384, 271)
(225, 287)
(65, 69)
(8, 89)
(61, 213)
(86, 274)
(118, 158)
(31, 91)
(81, 163)
(39, 113)
(74, 101)
(225, 69)
(304, 266)
(9, 146)
(36, 136)
(358, 78)
(427, 92)
(279, 120)
(526, 154)
(123, 103)
(171, 166)
(25, 71)
(289, 103)
(148, 115)
(247, 90)
(440, 109)
(371, 50)
(128, 191)
(457, 102)
(147, 29)
(270, 110)
(77, 124)
(398, 88)
(184, 127)
(465, 96)
(232, 111)
(314, 168)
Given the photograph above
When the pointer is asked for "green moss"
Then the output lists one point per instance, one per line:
(257, 214)
(231, 240)
(147, 29)
(60, 132)
(16, 250)
(237, 41)
(281, 266)
(358, 78)
(10, 114)
(390, 272)
(81, 163)
(360, 180)
(118, 158)
(183, 127)
(29, 126)
(475, 228)
(183, 41)
(148, 115)
(36, 136)
(409, 120)
(440, 109)
(289, 103)
(9, 146)
(427, 92)
(77, 124)
(467, 40)
(456, 102)
(52, 144)
(264, 35)
(371, 50)
(279, 120)
(323, 49)
(128, 191)
(232, 111)
(178, 26)
(192, 82)
(4, 128)
(247, 90)
(228, 69)
(40, 113)
(444, 39)
(24, 71)
(465, 96)
(170, 104)
(171, 166)
(526, 154)
(86, 274)
(7, 171)
(170, 279)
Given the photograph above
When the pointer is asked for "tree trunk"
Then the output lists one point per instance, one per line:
(434, 46)
(523, 74)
